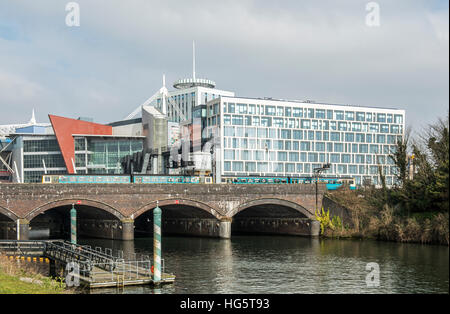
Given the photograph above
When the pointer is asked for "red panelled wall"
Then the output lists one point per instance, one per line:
(65, 128)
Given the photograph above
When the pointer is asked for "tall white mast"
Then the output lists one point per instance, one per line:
(164, 95)
(193, 60)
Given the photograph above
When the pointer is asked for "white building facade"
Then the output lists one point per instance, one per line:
(266, 137)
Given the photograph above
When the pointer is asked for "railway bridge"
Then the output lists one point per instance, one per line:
(123, 211)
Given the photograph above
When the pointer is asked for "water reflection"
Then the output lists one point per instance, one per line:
(271, 264)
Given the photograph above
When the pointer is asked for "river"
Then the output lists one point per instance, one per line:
(277, 264)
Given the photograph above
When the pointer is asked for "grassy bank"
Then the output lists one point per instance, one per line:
(20, 278)
(389, 223)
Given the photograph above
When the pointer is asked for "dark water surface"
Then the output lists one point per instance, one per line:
(273, 264)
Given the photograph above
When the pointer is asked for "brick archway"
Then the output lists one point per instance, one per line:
(271, 201)
(180, 202)
(84, 202)
(6, 212)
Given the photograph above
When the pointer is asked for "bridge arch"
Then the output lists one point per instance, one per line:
(271, 201)
(65, 202)
(8, 213)
(186, 202)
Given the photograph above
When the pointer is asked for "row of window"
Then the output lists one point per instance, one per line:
(33, 146)
(38, 161)
(304, 168)
(286, 134)
(260, 155)
(311, 113)
(307, 146)
(239, 120)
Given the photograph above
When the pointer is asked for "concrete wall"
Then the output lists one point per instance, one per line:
(337, 209)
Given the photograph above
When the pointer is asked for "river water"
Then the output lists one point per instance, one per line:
(276, 264)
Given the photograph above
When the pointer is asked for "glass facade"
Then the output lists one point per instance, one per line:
(93, 155)
(41, 154)
(277, 138)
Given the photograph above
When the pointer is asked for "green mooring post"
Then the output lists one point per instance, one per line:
(73, 225)
(157, 244)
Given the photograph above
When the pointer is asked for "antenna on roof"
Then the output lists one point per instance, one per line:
(33, 118)
(193, 60)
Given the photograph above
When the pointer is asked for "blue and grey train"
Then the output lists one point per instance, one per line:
(332, 183)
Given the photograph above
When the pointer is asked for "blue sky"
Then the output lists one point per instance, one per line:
(290, 49)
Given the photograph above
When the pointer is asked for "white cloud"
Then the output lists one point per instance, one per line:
(290, 49)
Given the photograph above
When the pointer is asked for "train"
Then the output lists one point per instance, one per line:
(332, 183)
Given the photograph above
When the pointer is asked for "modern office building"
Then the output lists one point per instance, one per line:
(70, 146)
(268, 137)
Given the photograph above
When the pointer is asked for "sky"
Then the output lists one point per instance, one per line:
(289, 49)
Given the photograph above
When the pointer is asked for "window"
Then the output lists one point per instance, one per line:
(306, 124)
(364, 148)
(270, 110)
(282, 156)
(238, 120)
(250, 166)
(293, 157)
(288, 111)
(395, 129)
(318, 135)
(346, 158)
(238, 166)
(265, 121)
(246, 155)
(229, 131)
(374, 149)
(290, 168)
(311, 113)
(280, 111)
(286, 134)
(262, 132)
(381, 139)
(320, 146)
(278, 122)
(381, 117)
(350, 137)
(231, 107)
(278, 167)
(330, 114)
(313, 157)
(320, 114)
(349, 115)
(263, 167)
(342, 126)
(242, 108)
(229, 154)
(298, 135)
(359, 159)
(339, 115)
(297, 112)
(360, 116)
(398, 119)
(338, 147)
(305, 146)
(335, 136)
(335, 158)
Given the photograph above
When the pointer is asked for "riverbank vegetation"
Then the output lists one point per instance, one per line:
(18, 277)
(415, 209)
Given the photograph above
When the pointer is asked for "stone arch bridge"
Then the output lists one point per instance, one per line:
(119, 211)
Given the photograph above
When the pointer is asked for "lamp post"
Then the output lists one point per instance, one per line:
(317, 172)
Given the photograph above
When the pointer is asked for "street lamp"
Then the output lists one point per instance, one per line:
(317, 172)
